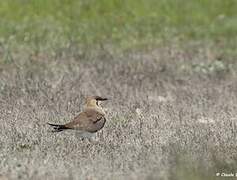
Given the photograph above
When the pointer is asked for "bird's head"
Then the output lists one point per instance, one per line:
(93, 101)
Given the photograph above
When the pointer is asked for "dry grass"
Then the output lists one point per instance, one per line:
(165, 119)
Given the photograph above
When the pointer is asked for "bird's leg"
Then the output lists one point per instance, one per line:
(79, 136)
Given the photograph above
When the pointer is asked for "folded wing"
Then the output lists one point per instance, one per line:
(90, 120)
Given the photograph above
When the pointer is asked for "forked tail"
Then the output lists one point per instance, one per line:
(58, 127)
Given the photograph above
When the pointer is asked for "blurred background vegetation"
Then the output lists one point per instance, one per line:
(48, 25)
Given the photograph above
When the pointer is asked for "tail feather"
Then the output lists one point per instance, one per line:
(58, 127)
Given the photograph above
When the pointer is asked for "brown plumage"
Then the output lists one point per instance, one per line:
(91, 120)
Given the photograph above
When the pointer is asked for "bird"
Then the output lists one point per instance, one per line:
(89, 121)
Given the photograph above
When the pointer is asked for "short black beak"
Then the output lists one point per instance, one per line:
(98, 98)
(102, 99)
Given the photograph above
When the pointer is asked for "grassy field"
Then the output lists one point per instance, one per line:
(168, 68)
(48, 25)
